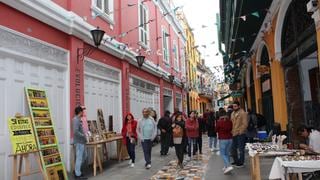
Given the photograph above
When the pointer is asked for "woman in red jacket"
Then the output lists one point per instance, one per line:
(129, 134)
(224, 128)
(192, 131)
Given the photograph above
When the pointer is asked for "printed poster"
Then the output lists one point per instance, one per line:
(21, 135)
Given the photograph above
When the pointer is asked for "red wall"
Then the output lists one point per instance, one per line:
(25, 24)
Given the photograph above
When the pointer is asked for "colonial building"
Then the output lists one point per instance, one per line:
(45, 44)
(277, 58)
(191, 58)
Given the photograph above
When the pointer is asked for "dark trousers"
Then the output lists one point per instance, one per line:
(192, 142)
(147, 147)
(199, 143)
(131, 150)
(165, 143)
(180, 151)
(238, 145)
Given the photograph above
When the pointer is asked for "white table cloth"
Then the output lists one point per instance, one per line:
(280, 168)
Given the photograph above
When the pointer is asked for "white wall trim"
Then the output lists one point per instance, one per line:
(258, 55)
(284, 5)
(249, 67)
(147, 81)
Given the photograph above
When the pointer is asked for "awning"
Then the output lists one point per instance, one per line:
(225, 97)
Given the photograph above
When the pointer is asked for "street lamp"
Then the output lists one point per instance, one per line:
(97, 35)
(140, 60)
(171, 78)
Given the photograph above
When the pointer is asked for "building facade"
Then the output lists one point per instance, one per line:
(280, 74)
(42, 45)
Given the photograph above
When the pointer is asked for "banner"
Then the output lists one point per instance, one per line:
(21, 135)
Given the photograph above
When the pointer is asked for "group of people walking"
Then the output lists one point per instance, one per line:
(180, 131)
(184, 133)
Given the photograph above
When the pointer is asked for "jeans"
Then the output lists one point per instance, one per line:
(212, 142)
(199, 143)
(238, 145)
(192, 142)
(131, 150)
(179, 152)
(165, 143)
(225, 145)
(79, 157)
(147, 147)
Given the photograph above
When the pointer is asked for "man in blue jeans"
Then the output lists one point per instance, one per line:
(79, 140)
(239, 126)
(147, 131)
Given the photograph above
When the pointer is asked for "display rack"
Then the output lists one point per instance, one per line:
(46, 138)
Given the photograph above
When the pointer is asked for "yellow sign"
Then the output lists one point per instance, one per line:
(21, 135)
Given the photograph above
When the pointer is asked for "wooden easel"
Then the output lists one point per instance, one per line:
(18, 161)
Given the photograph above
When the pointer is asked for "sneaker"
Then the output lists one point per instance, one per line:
(239, 165)
(132, 165)
(224, 168)
(130, 162)
(228, 169)
(148, 166)
(211, 149)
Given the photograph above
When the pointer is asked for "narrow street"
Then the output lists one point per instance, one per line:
(210, 162)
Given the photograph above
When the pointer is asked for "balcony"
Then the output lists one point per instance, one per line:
(206, 92)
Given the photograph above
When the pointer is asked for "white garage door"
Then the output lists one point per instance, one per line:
(143, 95)
(26, 67)
(102, 91)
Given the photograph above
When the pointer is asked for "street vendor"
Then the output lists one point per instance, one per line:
(311, 136)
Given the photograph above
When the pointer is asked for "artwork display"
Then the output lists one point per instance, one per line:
(46, 138)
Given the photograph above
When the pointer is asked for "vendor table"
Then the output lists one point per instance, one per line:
(255, 159)
(98, 144)
(97, 159)
(281, 168)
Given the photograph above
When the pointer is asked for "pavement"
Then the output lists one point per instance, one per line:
(207, 166)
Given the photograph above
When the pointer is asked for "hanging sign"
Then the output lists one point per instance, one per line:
(21, 135)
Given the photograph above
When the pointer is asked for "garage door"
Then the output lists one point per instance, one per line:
(102, 91)
(143, 95)
(21, 69)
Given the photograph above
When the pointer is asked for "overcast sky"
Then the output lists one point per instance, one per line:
(203, 13)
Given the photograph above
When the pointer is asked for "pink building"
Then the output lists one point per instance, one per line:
(39, 43)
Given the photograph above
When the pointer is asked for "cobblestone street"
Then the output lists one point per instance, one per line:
(207, 166)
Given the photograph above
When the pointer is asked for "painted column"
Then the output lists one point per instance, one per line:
(257, 87)
(161, 96)
(76, 75)
(125, 69)
(279, 95)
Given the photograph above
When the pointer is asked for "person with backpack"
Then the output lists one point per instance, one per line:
(252, 126)
(179, 137)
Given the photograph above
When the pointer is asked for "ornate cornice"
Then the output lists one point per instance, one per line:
(15, 41)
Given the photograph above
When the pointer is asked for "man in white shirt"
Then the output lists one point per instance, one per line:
(312, 137)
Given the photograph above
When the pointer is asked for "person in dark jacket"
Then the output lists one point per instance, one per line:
(164, 125)
(202, 129)
(211, 125)
(179, 137)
